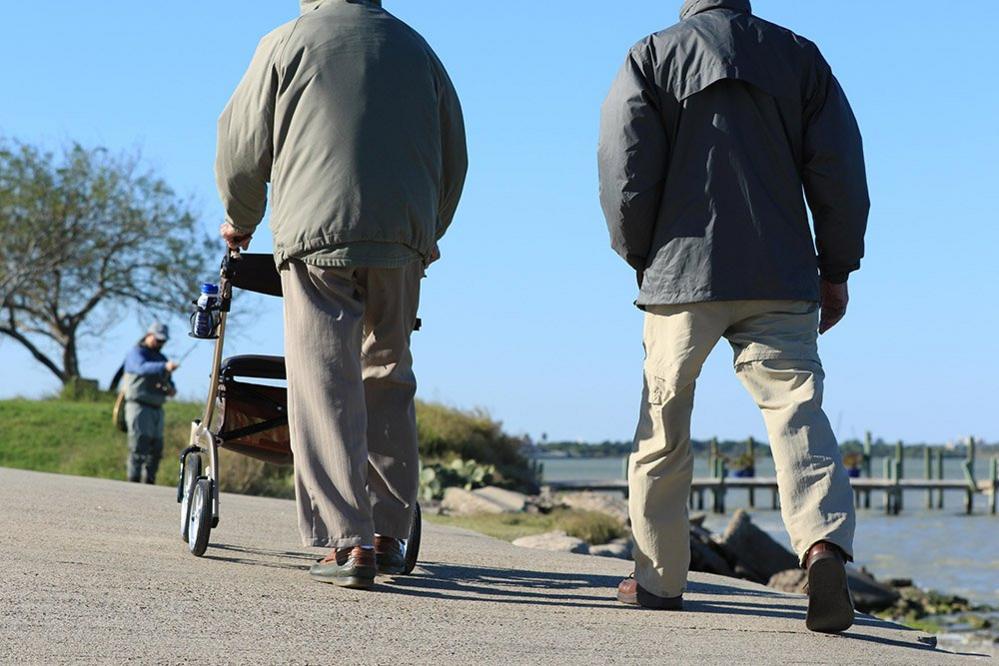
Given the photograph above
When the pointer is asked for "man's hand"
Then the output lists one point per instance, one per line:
(233, 238)
(435, 254)
(832, 299)
(171, 366)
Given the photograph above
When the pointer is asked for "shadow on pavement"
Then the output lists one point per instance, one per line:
(445, 581)
(253, 556)
(922, 647)
(515, 586)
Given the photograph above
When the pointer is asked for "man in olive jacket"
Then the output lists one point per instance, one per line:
(714, 134)
(351, 117)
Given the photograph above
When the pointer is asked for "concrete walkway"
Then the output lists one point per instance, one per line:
(95, 571)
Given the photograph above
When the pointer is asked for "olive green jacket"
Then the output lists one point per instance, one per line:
(351, 117)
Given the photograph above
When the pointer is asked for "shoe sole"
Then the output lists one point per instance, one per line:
(651, 601)
(351, 582)
(654, 602)
(830, 609)
(391, 571)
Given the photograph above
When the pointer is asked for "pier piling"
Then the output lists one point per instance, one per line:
(868, 444)
(719, 490)
(940, 476)
(994, 478)
(928, 474)
(969, 476)
(899, 475)
(713, 456)
(888, 491)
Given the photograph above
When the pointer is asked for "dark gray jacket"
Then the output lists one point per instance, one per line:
(710, 133)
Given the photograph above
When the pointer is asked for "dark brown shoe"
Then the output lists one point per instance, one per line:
(830, 608)
(346, 567)
(630, 592)
(390, 555)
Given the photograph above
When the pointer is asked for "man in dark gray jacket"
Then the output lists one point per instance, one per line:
(351, 117)
(715, 133)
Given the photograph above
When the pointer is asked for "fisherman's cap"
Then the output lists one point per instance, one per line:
(160, 331)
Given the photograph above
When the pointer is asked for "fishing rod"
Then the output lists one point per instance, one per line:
(187, 353)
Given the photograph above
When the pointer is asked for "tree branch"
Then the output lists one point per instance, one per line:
(91, 303)
(35, 351)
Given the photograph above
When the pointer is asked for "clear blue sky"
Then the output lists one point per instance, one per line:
(529, 314)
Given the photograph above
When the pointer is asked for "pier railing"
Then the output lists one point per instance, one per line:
(892, 485)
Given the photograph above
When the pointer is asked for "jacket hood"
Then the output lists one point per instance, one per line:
(692, 7)
(309, 5)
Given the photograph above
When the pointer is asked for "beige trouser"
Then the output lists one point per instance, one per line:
(776, 358)
(350, 400)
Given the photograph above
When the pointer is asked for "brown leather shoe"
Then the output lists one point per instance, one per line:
(830, 607)
(390, 555)
(346, 567)
(630, 592)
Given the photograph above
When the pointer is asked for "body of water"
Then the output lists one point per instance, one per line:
(944, 550)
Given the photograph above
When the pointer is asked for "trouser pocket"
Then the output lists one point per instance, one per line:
(664, 422)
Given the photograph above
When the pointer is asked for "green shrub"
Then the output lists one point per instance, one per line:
(78, 389)
(468, 474)
(249, 476)
(590, 526)
(446, 434)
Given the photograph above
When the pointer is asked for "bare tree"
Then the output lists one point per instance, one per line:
(84, 236)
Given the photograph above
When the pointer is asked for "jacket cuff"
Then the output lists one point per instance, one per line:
(636, 262)
(836, 278)
(240, 229)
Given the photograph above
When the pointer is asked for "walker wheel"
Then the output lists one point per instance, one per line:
(200, 523)
(190, 470)
(413, 542)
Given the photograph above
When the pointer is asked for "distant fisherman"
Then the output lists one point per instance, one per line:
(710, 134)
(148, 384)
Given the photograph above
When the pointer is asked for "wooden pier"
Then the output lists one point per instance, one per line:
(717, 487)
(892, 485)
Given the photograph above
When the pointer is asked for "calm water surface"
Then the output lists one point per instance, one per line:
(943, 550)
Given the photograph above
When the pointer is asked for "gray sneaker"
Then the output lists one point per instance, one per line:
(346, 567)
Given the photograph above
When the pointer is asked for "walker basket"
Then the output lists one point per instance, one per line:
(255, 421)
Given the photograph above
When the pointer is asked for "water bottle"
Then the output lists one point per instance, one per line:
(204, 316)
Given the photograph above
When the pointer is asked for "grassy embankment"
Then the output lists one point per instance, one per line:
(77, 437)
(590, 526)
(70, 437)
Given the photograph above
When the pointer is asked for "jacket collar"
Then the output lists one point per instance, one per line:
(692, 7)
(309, 5)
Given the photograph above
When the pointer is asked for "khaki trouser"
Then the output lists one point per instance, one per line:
(351, 388)
(776, 358)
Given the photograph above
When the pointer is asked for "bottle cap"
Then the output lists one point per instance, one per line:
(209, 288)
